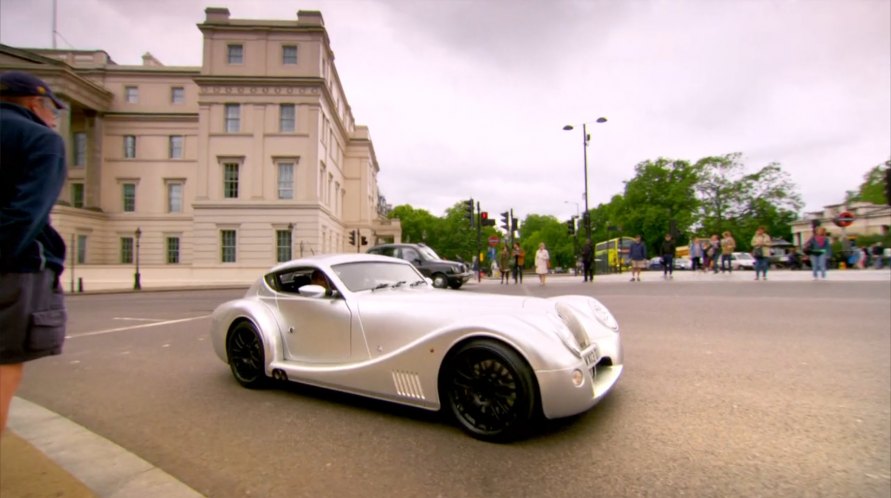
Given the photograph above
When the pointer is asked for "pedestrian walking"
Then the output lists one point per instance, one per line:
(32, 253)
(638, 254)
(588, 261)
(667, 252)
(728, 245)
(818, 249)
(519, 261)
(542, 263)
(504, 264)
(761, 252)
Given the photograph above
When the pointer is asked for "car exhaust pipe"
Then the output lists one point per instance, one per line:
(279, 374)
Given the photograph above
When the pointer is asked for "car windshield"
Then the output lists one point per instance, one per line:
(368, 275)
(429, 253)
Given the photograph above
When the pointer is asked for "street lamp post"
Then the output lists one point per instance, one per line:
(585, 139)
(137, 284)
(575, 244)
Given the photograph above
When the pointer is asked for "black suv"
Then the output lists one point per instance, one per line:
(441, 271)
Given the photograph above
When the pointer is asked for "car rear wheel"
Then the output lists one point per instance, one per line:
(490, 391)
(440, 281)
(245, 352)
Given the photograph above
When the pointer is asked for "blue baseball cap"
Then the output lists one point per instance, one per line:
(19, 84)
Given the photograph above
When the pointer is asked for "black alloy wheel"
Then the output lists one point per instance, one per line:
(245, 352)
(490, 390)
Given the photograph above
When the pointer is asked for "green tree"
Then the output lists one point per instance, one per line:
(661, 194)
(873, 187)
(733, 200)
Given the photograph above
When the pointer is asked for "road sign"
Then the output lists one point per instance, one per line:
(844, 219)
(493, 240)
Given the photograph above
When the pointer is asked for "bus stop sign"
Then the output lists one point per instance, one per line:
(844, 219)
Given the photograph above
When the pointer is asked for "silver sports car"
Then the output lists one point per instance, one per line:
(374, 326)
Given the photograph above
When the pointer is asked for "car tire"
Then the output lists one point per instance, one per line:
(246, 359)
(440, 281)
(489, 390)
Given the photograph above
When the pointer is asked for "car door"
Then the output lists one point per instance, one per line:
(314, 329)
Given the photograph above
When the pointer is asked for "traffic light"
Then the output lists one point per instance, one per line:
(364, 241)
(485, 221)
(468, 208)
(570, 227)
(505, 221)
(352, 237)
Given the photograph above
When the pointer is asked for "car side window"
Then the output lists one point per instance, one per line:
(410, 254)
(290, 281)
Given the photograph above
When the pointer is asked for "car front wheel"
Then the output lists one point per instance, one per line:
(490, 391)
(440, 281)
(245, 352)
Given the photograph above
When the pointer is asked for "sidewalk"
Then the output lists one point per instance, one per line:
(652, 276)
(44, 454)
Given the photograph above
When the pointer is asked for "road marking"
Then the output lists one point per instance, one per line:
(133, 327)
(123, 318)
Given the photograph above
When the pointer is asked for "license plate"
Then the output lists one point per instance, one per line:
(592, 358)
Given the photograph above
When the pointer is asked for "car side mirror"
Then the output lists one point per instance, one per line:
(312, 291)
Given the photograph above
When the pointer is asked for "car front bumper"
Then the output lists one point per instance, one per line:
(561, 397)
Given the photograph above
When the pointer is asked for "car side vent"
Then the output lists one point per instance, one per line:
(408, 385)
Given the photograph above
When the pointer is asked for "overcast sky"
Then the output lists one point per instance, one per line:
(469, 98)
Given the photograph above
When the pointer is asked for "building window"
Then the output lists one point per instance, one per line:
(176, 147)
(233, 118)
(129, 190)
(173, 250)
(286, 117)
(174, 197)
(129, 146)
(285, 180)
(289, 54)
(235, 54)
(77, 195)
(282, 246)
(80, 149)
(81, 249)
(227, 246)
(230, 180)
(131, 94)
(177, 95)
(126, 250)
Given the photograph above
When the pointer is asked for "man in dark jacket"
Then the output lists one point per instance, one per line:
(32, 254)
(667, 252)
(588, 260)
(638, 254)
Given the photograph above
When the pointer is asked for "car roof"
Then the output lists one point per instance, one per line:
(323, 260)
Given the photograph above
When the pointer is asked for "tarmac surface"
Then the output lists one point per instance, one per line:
(43, 454)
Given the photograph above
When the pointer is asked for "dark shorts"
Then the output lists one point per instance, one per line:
(32, 316)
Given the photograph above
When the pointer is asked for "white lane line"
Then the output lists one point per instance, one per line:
(133, 327)
(128, 319)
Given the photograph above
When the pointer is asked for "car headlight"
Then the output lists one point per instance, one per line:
(603, 315)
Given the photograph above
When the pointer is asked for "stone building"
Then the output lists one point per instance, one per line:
(869, 219)
(252, 158)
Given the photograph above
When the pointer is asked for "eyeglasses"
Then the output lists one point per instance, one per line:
(50, 106)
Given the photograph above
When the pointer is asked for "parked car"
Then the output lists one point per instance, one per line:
(374, 326)
(443, 272)
(682, 264)
(742, 261)
(655, 263)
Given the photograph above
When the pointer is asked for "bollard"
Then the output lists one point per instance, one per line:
(80, 284)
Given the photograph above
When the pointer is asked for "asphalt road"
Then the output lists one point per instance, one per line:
(742, 389)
